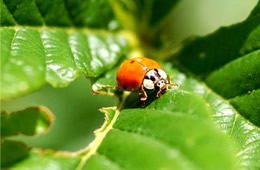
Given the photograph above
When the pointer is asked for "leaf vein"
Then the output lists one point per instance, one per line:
(11, 44)
(68, 13)
(38, 9)
(9, 12)
(97, 141)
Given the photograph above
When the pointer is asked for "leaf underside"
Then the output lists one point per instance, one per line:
(62, 13)
(30, 121)
(30, 58)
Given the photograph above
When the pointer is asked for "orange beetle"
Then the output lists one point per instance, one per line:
(143, 74)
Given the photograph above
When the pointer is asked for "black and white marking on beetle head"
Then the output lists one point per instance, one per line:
(160, 84)
(155, 79)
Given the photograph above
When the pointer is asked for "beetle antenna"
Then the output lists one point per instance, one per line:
(171, 84)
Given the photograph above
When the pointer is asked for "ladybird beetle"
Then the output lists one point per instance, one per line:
(143, 74)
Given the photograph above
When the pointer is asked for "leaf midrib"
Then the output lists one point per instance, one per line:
(97, 141)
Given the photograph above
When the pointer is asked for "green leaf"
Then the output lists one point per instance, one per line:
(237, 77)
(224, 115)
(30, 121)
(56, 56)
(101, 85)
(100, 162)
(6, 17)
(202, 55)
(244, 133)
(170, 138)
(94, 14)
(144, 17)
(48, 160)
(249, 106)
(12, 152)
(32, 57)
(227, 60)
(24, 12)
(22, 62)
(253, 41)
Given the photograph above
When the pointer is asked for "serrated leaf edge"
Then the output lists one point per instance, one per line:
(43, 109)
(93, 146)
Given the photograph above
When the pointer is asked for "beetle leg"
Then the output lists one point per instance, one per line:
(169, 82)
(144, 97)
(108, 86)
(161, 91)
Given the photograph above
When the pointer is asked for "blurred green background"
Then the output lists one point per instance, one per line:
(76, 109)
(76, 114)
